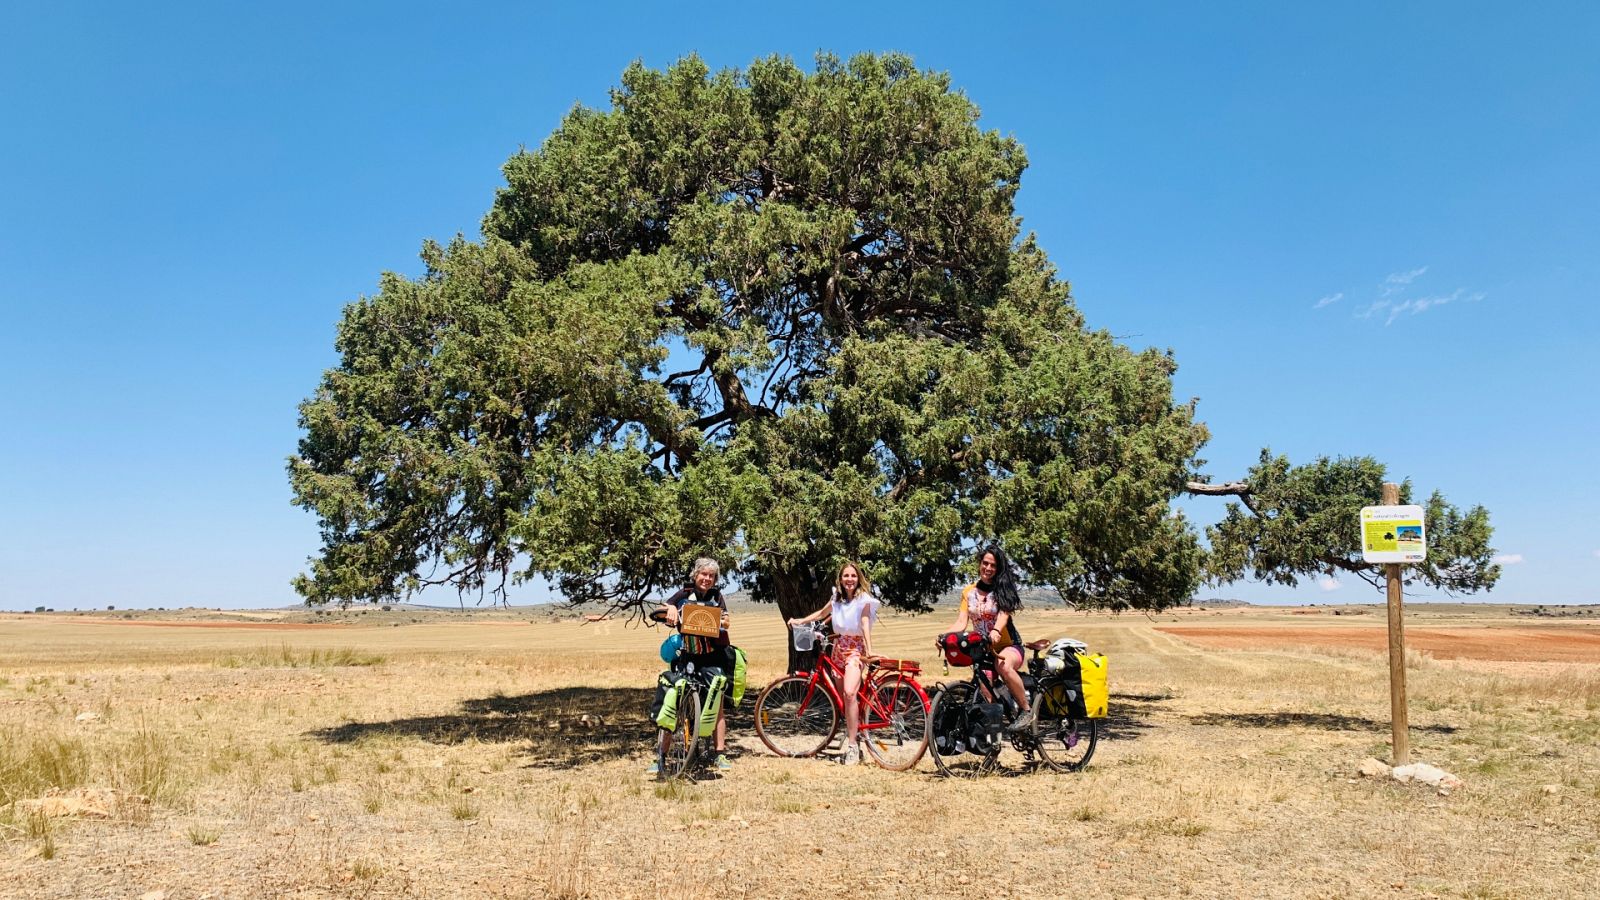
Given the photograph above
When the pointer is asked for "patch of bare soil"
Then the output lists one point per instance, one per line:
(1510, 644)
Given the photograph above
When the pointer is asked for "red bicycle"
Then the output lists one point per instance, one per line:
(799, 714)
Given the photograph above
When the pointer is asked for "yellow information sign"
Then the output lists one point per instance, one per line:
(1393, 534)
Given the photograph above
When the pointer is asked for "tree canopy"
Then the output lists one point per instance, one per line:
(779, 317)
(1292, 522)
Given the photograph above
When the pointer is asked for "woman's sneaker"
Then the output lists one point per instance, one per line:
(654, 769)
(722, 763)
(852, 755)
(1023, 723)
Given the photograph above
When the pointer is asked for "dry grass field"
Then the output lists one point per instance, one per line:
(397, 755)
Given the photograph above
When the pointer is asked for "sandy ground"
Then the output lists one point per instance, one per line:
(423, 757)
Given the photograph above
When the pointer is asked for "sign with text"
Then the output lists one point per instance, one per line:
(701, 619)
(1393, 534)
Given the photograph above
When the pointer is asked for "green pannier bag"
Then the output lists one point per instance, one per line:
(739, 672)
(665, 711)
(713, 704)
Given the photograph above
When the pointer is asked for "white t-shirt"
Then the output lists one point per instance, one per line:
(847, 613)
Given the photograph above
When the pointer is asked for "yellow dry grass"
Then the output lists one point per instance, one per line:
(442, 758)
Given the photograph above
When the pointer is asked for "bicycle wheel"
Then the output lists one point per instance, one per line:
(894, 723)
(795, 716)
(676, 752)
(1064, 743)
(948, 732)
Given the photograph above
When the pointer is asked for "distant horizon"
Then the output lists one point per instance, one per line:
(592, 607)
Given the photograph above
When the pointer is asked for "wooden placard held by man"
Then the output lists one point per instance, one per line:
(701, 620)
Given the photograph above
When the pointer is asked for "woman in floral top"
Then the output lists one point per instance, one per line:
(988, 606)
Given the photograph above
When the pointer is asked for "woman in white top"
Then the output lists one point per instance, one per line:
(854, 611)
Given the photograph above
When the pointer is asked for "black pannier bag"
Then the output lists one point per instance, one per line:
(1064, 694)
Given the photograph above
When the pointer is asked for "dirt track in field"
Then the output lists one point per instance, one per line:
(1510, 644)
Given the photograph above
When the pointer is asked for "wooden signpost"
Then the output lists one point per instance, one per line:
(1392, 536)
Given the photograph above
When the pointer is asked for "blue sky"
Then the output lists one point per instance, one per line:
(1295, 198)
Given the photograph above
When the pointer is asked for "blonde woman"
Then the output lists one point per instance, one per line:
(853, 610)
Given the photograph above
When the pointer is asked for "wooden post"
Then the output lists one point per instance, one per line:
(1398, 718)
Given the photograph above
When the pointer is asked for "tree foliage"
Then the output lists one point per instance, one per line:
(775, 316)
(1293, 522)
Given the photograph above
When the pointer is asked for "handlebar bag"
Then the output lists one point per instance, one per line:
(959, 647)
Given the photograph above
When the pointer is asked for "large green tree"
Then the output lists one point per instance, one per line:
(775, 316)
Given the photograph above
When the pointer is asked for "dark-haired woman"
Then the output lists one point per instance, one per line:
(989, 606)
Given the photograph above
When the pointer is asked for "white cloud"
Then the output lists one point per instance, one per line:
(1330, 583)
(1508, 559)
(1328, 300)
(1597, 553)
(1420, 305)
(1397, 281)
(1377, 306)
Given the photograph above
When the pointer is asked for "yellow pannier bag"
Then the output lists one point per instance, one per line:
(1096, 695)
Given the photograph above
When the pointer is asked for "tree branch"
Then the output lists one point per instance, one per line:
(1240, 489)
(1231, 489)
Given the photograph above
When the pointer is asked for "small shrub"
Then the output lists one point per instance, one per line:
(149, 765)
(366, 869)
(462, 809)
(30, 763)
(38, 826)
(203, 835)
(675, 791)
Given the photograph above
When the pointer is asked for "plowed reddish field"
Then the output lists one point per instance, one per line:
(1575, 644)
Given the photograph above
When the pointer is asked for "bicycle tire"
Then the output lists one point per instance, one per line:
(894, 726)
(676, 753)
(796, 717)
(1064, 742)
(948, 712)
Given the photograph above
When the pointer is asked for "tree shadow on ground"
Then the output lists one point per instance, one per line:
(563, 727)
(1130, 715)
(1325, 721)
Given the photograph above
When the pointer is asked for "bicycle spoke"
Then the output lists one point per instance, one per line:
(895, 722)
(795, 716)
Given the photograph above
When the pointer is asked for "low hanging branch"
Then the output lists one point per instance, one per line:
(1232, 488)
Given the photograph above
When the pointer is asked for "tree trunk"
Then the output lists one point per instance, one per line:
(798, 593)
